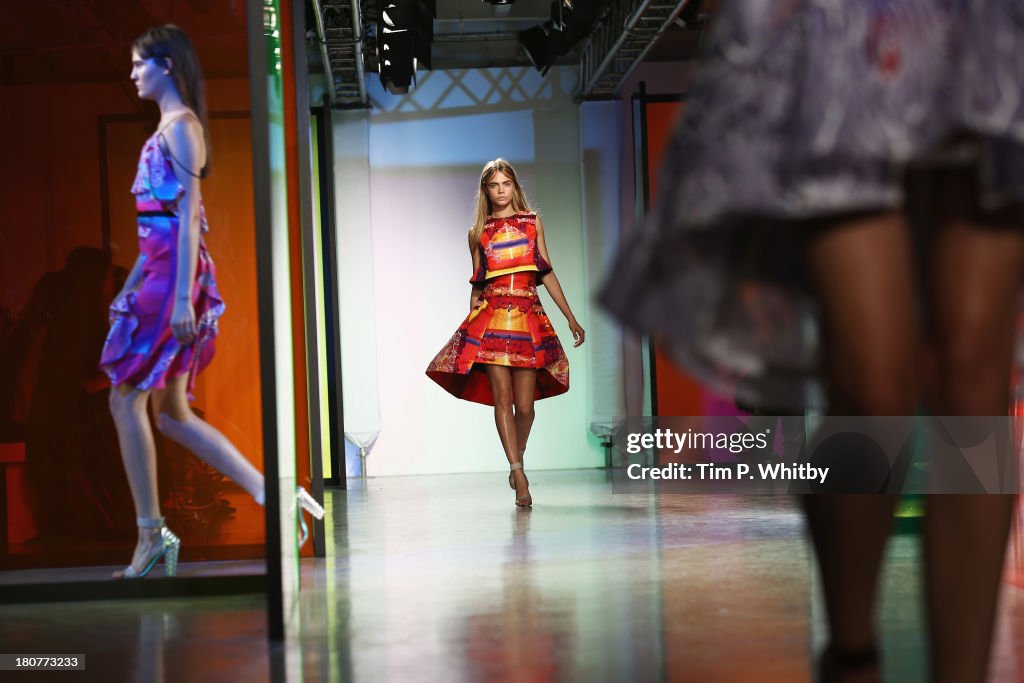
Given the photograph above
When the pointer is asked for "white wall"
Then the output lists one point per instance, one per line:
(357, 302)
(424, 155)
(601, 176)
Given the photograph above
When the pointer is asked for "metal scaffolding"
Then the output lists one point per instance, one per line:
(623, 36)
(339, 27)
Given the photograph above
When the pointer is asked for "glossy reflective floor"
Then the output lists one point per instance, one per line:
(222, 534)
(441, 579)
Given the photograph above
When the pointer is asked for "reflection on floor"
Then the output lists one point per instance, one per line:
(226, 568)
(227, 528)
(441, 579)
(222, 639)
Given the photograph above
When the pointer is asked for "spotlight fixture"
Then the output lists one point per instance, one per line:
(539, 46)
(500, 8)
(570, 23)
(405, 30)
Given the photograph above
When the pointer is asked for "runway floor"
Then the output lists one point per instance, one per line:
(441, 578)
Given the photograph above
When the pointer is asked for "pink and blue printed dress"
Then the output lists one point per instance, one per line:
(141, 350)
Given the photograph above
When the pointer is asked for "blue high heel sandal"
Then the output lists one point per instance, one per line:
(168, 550)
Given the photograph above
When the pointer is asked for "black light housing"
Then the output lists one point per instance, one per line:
(405, 31)
(571, 22)
(537, 44)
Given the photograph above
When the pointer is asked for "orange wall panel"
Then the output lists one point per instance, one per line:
(677, 392)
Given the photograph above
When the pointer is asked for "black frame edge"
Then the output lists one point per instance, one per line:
(258, 77)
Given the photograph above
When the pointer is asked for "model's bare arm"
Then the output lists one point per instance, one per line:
(185, 144)
(474, 294)
(550, 280)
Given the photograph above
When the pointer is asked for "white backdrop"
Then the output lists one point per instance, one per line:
(602, 197)
(424, 154)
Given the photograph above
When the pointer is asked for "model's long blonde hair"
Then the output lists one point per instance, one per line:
(483, 203)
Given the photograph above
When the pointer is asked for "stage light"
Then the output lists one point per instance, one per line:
(539, 47)
(405, 31)
(570, 23)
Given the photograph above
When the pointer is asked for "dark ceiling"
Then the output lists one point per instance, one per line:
(66, 41)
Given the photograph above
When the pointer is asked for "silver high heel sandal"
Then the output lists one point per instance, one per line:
(309, 504)
(521, 501)
(511, 479)
(304, 501)
(168, 550)
(302, 497)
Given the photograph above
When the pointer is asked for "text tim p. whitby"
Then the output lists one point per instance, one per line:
(709, 471)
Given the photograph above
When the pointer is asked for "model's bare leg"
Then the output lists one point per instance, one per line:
(500, 378)
(862, 272)
(977, 274)
(524, 383)
(138, 453)
(501, 389)
(176, 420)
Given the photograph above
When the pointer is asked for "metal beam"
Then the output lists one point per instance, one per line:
(339, 26)
(622, 38)
(322, 40)
(357, 39)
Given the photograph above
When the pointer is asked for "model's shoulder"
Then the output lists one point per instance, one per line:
(182, 137)
(184, 126)
(532, 219)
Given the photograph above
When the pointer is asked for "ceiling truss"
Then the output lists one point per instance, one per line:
(621, 39)
(339, 27)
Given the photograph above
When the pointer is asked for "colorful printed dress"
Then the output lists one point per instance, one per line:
(140, 349)
(508, 326)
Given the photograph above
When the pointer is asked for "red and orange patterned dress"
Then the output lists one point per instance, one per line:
(508, 326)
